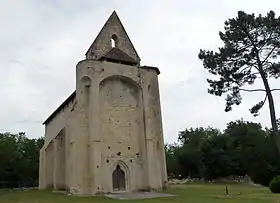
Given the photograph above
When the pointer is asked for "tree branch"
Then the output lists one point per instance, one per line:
(255, 90)
(265, 98)
(269, 38)
(257, 73)
(268, 55)
(274, 90)
(246, 68)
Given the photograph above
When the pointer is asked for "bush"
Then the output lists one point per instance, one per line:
(262, 176)
(274, 184)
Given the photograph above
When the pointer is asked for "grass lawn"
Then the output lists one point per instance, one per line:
(190, 193)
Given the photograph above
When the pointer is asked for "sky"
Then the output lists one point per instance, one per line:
(42, 41)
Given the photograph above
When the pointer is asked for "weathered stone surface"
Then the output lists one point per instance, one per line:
(109, 133)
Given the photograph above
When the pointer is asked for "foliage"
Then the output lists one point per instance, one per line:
(171, 155)
(243, 148)
(194, 137)
(215, 158)
(190, 154)
(274, 184)
(19, 157)
(250, 52)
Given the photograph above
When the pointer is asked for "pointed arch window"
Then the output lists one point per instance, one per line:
(114, 41)
(119, 179)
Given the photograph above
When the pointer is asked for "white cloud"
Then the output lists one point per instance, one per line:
(41, 43)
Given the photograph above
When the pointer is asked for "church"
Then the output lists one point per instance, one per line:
(107, 135)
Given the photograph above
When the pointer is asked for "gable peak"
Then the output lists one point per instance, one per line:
(114, 14)
(112, 35)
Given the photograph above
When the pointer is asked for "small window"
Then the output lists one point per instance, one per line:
(128, 148)
(114, 40)
(113, 43)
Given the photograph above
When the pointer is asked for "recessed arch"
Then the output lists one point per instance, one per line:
(60, 160)
(121, 119)
(86, 81)
(120, 176)
(122, 164)
(121, 91)
(121, 77)
(49, 165)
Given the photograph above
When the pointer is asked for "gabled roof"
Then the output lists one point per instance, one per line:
(116, 54)
(114, 18)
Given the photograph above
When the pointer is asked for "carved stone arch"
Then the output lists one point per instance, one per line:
(84, 91)
(120, 176)
(86, 81)
(118, 90)
(122, 164)
(126, 79)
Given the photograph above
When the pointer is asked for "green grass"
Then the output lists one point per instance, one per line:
(189, 193)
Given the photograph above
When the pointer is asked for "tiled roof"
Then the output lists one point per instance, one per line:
(118, 55)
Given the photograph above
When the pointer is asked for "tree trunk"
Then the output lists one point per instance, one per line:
(271, 110)
(270, 100)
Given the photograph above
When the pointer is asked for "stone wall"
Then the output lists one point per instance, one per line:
(58, 122)
(121, 126)
(123, 104)
(55, 152)
(102, 43)
(115, 119)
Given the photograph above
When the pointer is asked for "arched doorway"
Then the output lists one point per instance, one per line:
(118, 179)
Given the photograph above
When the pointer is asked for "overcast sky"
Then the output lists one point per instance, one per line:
(42, 41)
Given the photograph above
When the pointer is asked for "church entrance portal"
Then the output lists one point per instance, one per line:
(119, 179)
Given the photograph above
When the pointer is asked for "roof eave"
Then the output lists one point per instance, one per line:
(70, 98)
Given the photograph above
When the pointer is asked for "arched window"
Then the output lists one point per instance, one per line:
(114, 40)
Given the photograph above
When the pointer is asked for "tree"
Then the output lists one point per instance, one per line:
(252, 151)
(189, 156)
(19, 160)
(243, 148)
(194, 137)
(250, 52)
(246, 141)
(215, 157)
(171, 154)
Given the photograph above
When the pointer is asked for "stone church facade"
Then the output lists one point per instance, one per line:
(107, 135)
